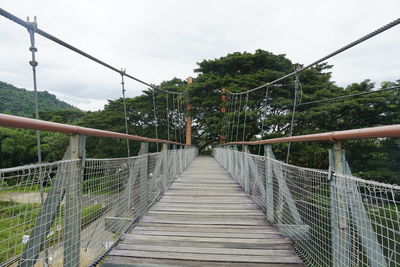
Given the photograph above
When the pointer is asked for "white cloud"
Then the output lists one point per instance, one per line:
(159, 40)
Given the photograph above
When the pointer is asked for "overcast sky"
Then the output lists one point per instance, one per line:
(159, 40)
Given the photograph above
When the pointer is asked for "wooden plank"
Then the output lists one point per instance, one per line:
(205, 257)
(228, 206)
(116, 261)
(197, 243)
(205, 219)
(202, 220)
(199, 234)
(184, 211)
(238, 228)
(207, 213)
(278, 240)
(200, 250)
(205, 229)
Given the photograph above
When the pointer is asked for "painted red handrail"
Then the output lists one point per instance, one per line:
(373, 132)
(32, 124)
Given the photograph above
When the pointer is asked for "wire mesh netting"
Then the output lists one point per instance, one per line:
(334, 219)
(50, 211)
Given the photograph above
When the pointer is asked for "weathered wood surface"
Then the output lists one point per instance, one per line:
(205, 219)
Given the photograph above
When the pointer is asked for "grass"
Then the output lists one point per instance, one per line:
(18, 219)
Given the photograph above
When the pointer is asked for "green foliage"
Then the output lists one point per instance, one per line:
(15, 221)
(20, 102)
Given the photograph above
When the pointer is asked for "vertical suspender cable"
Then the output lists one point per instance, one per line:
(245, 115)
(174, 117)
(226, 119)
(167, 112)
(233, 118)
(155, 117)
(179, 119)
(238, 120)
(296, 89)
(125, 116)
(263, 116)
(34, 63)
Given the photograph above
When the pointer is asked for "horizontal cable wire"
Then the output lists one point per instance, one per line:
(28, 26)
(336, 52)
(351, 95)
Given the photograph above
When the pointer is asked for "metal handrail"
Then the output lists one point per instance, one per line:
(32, 124)
(364, 133)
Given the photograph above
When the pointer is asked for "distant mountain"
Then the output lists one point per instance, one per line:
(21, 102)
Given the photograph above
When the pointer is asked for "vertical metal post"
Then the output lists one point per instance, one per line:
(235, 161)
(269, 186)
(144, 173)
(175, 160)
(245, 168)
(73, 203)
(165, 166)
(180, 159)
(339, 210)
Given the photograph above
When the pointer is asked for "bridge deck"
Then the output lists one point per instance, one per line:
(204, 219)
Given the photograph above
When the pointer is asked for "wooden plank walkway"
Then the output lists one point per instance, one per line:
(204, 219)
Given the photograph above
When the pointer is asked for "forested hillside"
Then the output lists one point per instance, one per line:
(19, 101)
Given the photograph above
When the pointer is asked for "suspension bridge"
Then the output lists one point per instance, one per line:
(171, 207)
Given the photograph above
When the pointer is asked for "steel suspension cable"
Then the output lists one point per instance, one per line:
(233, 119)
(125, 116)
(179, 120)
(263, 116)
(245, 115)
(174, 117)
(296, 89)
(167, 113)
(237, 129)
(334, 53)
(155, 118)
(30, 27)
(227, 121)
(351, 95)
(34, 63)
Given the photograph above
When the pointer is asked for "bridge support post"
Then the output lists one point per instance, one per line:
(73, 203)
(339, 209)
(269, 186)
(175, 161)
(353, 205)
(144, 173)
(234, 161)
(245, 168)
(165, 166)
